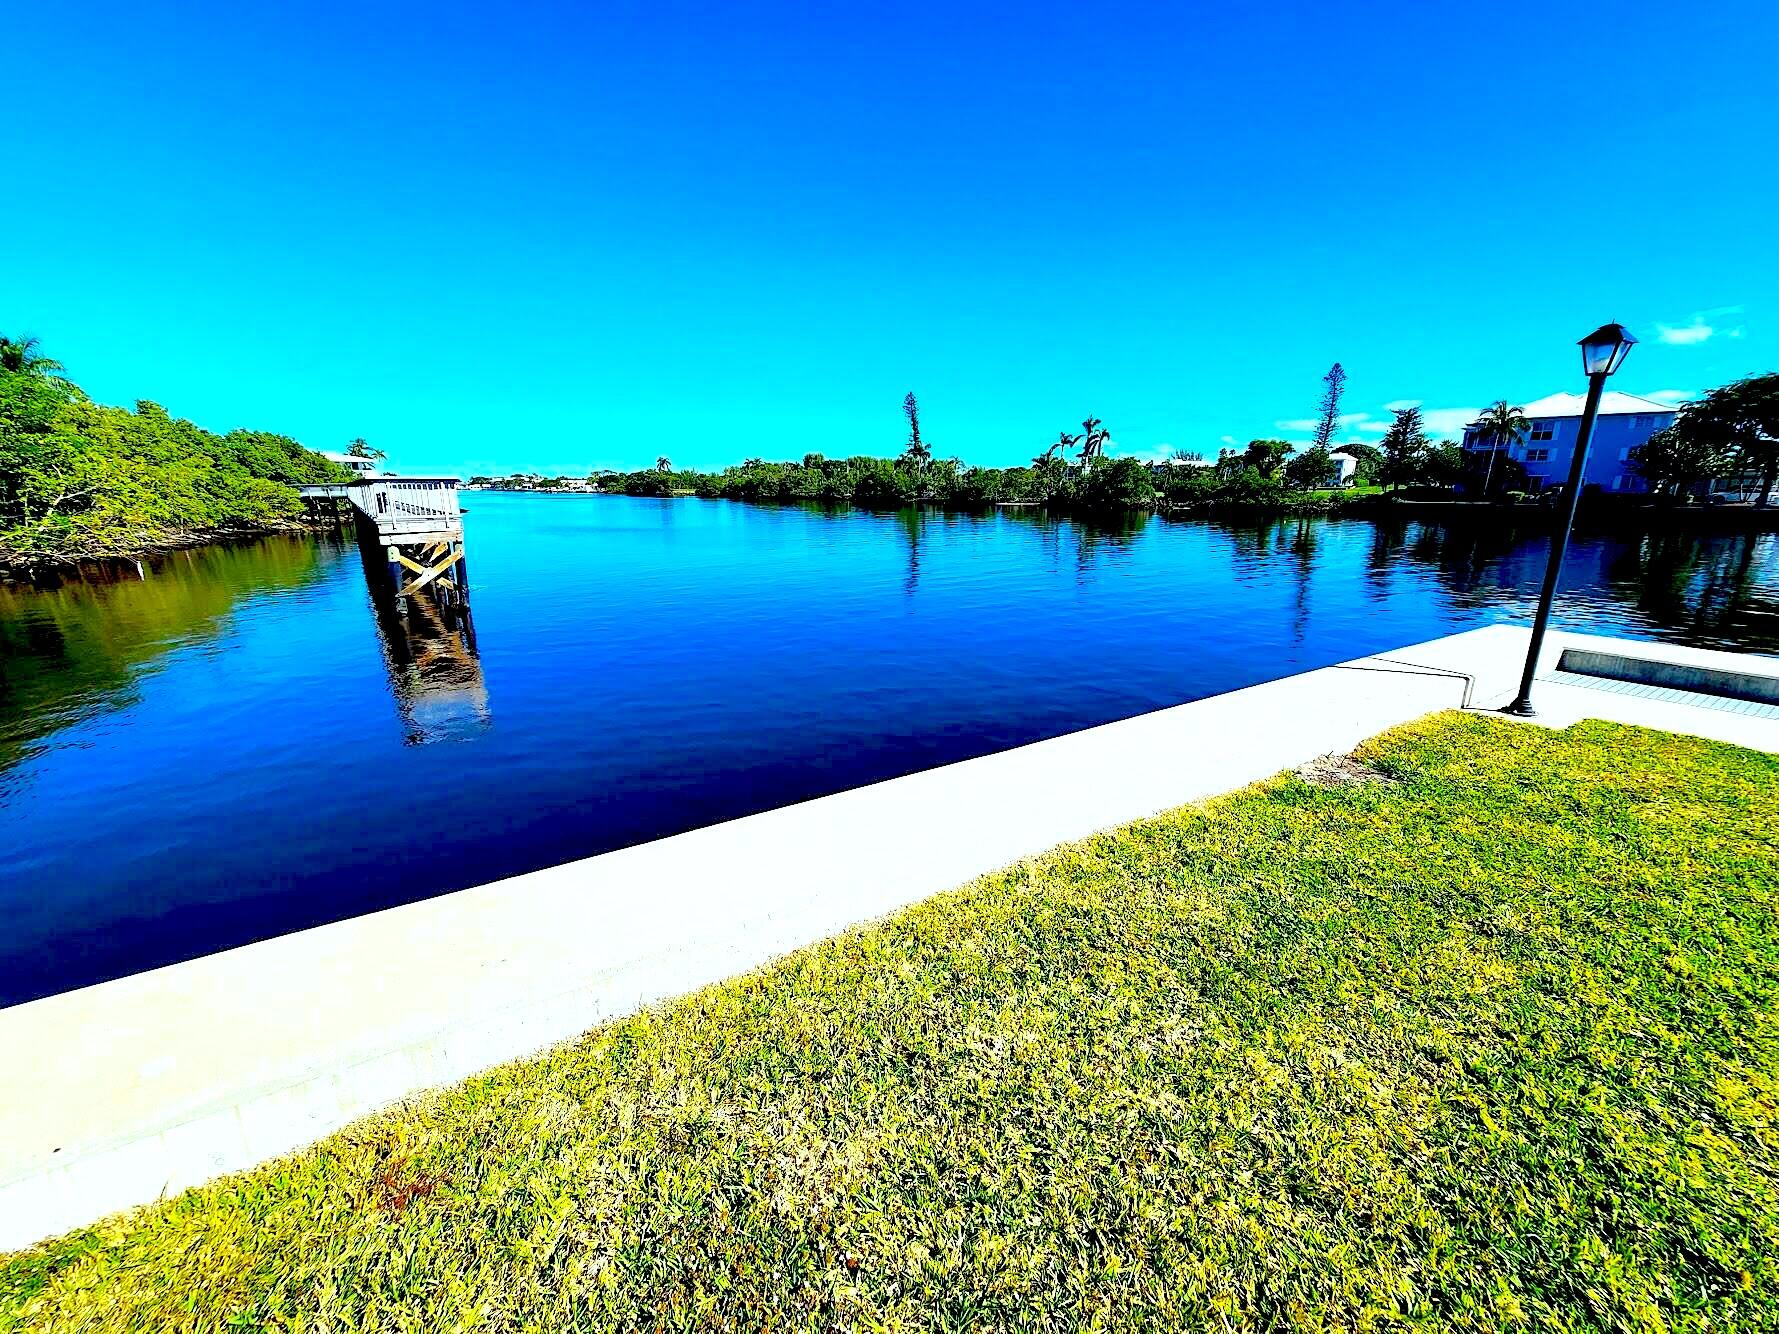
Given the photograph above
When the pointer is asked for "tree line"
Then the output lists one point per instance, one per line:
(1264, 473)
(1074, 472)
(79, 480)
(82, 481)
(1732, 431)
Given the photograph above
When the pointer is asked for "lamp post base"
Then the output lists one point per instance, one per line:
(1520, 708)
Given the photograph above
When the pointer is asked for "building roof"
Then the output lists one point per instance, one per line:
(1612, 404)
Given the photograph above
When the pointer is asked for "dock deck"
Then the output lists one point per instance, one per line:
(402, 509)
(415, 525)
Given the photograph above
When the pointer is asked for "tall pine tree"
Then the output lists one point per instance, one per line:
(1336, 380)
(918, 452)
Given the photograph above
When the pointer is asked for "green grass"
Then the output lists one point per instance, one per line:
(1489, 1045)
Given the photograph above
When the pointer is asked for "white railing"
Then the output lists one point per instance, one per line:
(409, 504)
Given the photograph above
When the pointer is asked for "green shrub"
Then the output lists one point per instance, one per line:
(80, 480)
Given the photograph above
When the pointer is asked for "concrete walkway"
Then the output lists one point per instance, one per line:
(123, 1092)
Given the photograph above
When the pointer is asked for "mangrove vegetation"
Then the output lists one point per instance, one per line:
(82, 481)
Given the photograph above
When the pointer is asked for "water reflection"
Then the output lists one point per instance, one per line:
(1104, 540)
(1710, 590)
(912, 521)
(71, 651)
(662, 665)
(1302, 544)
(434, 666)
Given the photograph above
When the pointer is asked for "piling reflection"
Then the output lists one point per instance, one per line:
(435, 671)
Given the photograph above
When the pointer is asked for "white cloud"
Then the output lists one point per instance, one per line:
(1672, 396)
(1228, 440)
(1153, 454)
(1362, 422)
(1684, 335)
(1441, 422)
(1705, 324)
(1438, 422)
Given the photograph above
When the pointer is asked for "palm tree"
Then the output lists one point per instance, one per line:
(1093, 439)
(663, 464)
(20, 355)
(1064, 442)
(1502, 426)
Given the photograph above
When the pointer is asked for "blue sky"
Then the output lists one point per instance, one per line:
(487, 237)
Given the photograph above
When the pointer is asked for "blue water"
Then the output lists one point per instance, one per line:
(237, 747)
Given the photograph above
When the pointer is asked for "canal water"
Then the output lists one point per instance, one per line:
(239, 745)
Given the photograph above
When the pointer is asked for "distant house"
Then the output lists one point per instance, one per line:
(1625, 422)
(363, 467)
(1348, 465)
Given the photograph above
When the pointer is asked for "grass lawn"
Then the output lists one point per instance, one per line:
(1487, 1039)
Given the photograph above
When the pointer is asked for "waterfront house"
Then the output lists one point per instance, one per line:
(362, 466)
(1348, 467)
(1624, 423)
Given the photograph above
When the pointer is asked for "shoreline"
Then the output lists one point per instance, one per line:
(1599, 517)
(51, 572)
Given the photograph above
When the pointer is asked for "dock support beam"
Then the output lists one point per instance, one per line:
(431, 563)
(410, 531)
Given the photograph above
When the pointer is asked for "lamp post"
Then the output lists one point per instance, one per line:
(1602, 352)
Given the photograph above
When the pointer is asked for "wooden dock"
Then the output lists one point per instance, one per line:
(413, 526)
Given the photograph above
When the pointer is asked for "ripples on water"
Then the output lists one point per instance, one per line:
(239, 746)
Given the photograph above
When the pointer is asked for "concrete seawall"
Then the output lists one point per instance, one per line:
(129, 1090)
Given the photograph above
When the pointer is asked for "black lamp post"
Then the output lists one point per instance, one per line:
(1602, 352)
